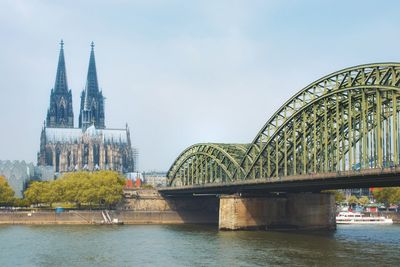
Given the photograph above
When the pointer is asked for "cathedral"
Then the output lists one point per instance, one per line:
(91, 146)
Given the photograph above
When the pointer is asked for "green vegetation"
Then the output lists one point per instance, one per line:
(364, 200)
(339, 196)
(147, 186)
(352, 200)
(388, 195)
(6, 193)
(83, 189)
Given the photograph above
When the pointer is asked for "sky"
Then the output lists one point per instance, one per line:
(180, 72)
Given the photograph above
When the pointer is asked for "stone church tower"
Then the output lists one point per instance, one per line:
(91, 146)
(60, 113)
(92, 100)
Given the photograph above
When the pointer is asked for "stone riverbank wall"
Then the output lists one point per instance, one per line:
(95, 217)
(229, 212)
(139, 207)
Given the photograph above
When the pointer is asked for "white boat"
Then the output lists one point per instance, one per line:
(359, 218)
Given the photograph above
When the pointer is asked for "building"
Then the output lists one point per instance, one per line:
(20, 173)
(90, 146)
(155, 179)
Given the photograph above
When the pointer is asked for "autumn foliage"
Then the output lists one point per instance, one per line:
(6, 193)
(388, 195)
(89, 189)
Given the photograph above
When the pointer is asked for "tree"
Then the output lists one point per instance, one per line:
(34, 193)
(388, 195)
(104, 188)
(49, 195)
(364, 200)
(110, 187)
(352, 200)
(6, 192)
(339, 196)
(21, 202)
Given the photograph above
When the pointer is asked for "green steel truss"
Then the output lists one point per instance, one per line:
(346, 121)
(206, 163)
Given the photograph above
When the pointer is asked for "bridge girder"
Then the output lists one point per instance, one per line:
(343, 121)
(206, 163)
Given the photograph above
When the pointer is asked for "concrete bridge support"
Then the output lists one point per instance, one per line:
(286, 211)
(149, 206)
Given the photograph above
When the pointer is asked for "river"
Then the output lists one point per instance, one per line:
(196, 245)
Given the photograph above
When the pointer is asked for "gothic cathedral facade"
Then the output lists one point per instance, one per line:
(91, 146)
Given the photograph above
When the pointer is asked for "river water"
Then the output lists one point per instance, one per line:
(194, 245)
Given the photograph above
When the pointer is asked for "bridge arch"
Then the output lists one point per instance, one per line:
(332, 124)
(347, 120)
(206, 163)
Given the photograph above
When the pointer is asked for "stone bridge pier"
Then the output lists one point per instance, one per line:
(285, 211)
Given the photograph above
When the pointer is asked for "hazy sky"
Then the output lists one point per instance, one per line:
(180, 72)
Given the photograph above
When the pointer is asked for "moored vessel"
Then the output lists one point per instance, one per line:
(359, 218)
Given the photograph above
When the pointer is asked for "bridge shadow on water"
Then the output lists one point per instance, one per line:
(346, 246)
(196, 210)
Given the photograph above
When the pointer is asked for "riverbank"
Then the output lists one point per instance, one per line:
(138, 207)
(80, 217)
(143, 207)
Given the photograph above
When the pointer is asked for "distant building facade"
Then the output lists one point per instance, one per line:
(155, 179)
(20, 173)
(91, 146)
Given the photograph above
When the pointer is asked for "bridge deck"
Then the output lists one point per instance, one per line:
(299, 183)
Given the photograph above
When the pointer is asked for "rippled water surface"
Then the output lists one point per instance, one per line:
(194, 245)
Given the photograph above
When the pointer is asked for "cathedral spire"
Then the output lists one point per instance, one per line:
(92, 100)
(92, 84)
(61, 84)
(60, 113)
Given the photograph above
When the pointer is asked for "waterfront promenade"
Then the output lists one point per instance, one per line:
(81, 217)
(84, 217)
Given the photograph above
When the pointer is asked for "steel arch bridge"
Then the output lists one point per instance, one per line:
(345, 121)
